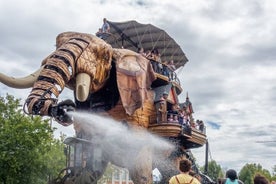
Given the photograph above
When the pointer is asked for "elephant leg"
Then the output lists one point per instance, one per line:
(168, 166)
(141, 168)
(167, 169)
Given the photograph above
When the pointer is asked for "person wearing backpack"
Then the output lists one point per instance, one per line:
(184, 177)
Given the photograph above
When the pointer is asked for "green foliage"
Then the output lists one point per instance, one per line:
(28, 151)
(214, 170)
(273, 178)
(248, 172)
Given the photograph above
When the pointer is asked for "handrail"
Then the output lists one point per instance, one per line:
(185, 127)
(163, 69)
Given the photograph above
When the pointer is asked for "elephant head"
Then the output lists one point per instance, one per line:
(82, 62)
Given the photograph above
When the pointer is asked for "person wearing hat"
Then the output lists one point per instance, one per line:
(231, 177)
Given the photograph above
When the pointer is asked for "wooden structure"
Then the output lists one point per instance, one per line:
(189, 137)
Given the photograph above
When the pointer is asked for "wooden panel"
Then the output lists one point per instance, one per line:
(141, 116)
(166, 129)
(196, 139)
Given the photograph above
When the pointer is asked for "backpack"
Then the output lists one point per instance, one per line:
(183, 183)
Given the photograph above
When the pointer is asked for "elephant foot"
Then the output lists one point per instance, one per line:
(167, 169)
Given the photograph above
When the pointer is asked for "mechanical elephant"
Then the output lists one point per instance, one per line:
(104, 80)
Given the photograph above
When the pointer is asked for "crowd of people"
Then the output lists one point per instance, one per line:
(168, 113)
(188, 176)
(231, 177)
(174, 114)
(166, 68)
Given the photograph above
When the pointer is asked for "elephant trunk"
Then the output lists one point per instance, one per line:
(20, 83)
(59, 69)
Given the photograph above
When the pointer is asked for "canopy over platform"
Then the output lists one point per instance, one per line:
(133, 35)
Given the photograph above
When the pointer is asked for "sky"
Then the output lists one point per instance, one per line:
(230, 76)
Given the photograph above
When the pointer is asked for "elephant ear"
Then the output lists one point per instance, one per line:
(134, 78)
(129, 66)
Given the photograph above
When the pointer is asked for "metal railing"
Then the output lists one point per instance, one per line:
(163, 69)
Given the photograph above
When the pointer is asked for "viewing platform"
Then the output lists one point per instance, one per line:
(187, 137)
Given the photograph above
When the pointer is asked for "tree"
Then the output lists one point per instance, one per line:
(274, 173)
(248, 172)
(214, 170)
(28, 151)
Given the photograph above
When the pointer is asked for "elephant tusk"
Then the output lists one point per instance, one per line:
(20, 83)
(83, 81)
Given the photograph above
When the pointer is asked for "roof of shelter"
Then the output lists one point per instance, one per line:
(133, 35)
